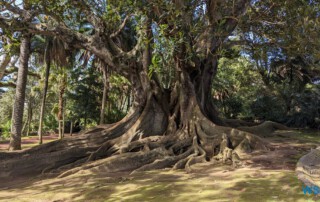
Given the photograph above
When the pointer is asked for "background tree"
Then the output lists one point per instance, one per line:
(15, 141)
(48, 57)
(84, 95)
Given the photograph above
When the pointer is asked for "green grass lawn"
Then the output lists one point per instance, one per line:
(28, 142)
(207, 182)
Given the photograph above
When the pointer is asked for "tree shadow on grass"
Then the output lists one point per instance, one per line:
(277, 186)
(144, 186)
(206, 184)
(210, 183)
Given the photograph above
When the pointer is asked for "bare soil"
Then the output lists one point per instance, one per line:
(30, 141)
(263, 176)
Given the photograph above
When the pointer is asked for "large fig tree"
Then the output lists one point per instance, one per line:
(169, 51)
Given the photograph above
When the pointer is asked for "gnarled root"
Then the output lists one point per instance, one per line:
(198, 141)
(132, 146)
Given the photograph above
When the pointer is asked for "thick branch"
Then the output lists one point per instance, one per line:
(4, 84)
(121, 27)
(3, 65)
(231, 21)
(15, 69)
(23, 13)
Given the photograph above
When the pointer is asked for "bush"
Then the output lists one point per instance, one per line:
(305, 109)
(5, 130)
(231, 106)
(268, 108)
(114, 115)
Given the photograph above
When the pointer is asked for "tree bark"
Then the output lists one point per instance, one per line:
(152, 136)
(71, 128)
(63, 119)
(15, 140)
(45, 90)
(163, 129)
(174, 127)
(105, 94)
(4, 64)
(62, 88)
(129, 100)
(27, 125)
(30, 114)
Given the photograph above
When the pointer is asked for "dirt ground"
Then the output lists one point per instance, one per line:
(264, 176)
(30, 141)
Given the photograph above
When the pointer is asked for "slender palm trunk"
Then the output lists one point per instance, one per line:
(15, 141)
(62, 89)
(27, 124)
(129, 100)
(105, 94)
(43, 102)
(71, 127)
(63, 117)
(30, 114)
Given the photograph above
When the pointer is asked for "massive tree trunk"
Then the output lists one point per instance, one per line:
(174, 127)
(18, 107)
(164, 128)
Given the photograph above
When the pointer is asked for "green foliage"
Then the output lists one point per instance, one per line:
(241, 91)
(235, 87)
(84, 95)
(267, 107)
(232, 106)
(50, 123)
(5, 130)
(305, 108)
(114, 115)
(117, 95)
(6, 101)
(162, 58)
(258, 80)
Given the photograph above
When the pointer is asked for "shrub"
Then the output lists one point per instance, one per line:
(5, 130)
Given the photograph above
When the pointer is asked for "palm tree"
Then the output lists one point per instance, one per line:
(105, 92)
(15, 140)
(45, 88)
(60, 57)
(85, 57)
(55, 51)
(62, 78)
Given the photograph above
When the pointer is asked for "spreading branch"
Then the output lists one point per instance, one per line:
(110, 53)
(15, 69)
(113, 35)
(8, 84)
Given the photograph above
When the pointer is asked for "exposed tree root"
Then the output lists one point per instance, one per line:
(236, 123)
(264, 129)
(131, 145)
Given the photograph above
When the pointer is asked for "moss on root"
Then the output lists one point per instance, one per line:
(265, 129)
(206, 183)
